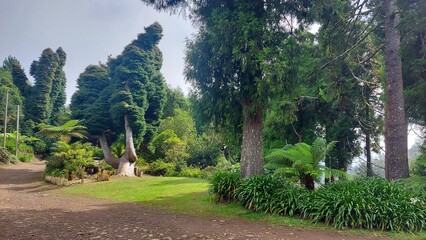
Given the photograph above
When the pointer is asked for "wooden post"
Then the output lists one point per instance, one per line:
(17, 132)
(5, 119)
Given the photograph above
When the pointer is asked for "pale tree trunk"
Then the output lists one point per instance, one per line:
(110, 159)
(396, 160)
(251, 150)
(127, 163)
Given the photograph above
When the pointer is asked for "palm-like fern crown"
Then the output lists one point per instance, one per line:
(63, 132)
(301, 158)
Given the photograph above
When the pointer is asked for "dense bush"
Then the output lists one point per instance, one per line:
(361, 203)
(414, 184)
(70, 160)
(191, 172)
(6, 156)
(160, 168)
(366, 203)
(255, 193)
(224, 185)
(270, 194)
(25, 157)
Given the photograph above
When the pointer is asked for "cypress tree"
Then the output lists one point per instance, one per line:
(57, 95)
(44, 70)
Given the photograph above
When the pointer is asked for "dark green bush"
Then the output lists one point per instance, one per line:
(39, 146)
(255, 193)
(288, 200)
(270, 194)
(224, 185)
(366, 203)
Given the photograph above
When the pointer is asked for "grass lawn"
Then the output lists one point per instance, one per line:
(190, 196)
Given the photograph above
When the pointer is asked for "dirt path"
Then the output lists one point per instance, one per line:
(32, 209)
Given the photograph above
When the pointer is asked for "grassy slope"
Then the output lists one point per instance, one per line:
(188, 195)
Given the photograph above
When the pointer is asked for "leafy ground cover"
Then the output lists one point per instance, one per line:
(190, 196)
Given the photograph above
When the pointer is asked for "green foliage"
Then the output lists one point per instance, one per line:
(414, 184)
(86, 103)
(206, 150)
(6, 156)
(70, 158)
(25, 153)
(256, 192)
(413, 57)
(224, 185)
(175, 99)
(19, 78)
(118, 148)
(191, 172)
(301, 159)
(361, 203)
(57, 94)
(182, 124)
(15, 98)
(419, 167)
(130, 86)
(366, 203)
(270, 194)
(169, 147)
(39, 146)
(160, 168)
(67, 131)
(38, 107)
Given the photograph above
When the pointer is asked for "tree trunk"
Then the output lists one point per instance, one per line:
(251, 149)
(368, 154)
(396, 160)
(127, 162)
(130, 146)
(367, 130)
(110, 159)
(309, 182)
(126, 167)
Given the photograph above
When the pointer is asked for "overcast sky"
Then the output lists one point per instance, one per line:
(88, 31)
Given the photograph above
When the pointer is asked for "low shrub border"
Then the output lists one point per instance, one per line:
(361, 203)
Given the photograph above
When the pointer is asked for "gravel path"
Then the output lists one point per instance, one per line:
(32, 209)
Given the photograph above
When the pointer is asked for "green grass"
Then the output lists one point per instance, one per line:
(189, 196)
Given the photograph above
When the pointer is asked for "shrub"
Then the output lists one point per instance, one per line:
(366, 203)
(208, 172)
(25, 157)
(6, 156)
(55, 172)
(224, 185)
(287, 200)
(191, 172)
(269, 194)
(414, 184)
(160, 168)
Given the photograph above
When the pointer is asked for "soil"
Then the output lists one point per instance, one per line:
(33, 209)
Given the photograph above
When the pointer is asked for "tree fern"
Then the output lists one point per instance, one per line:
(302, 159)
(63, 132)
